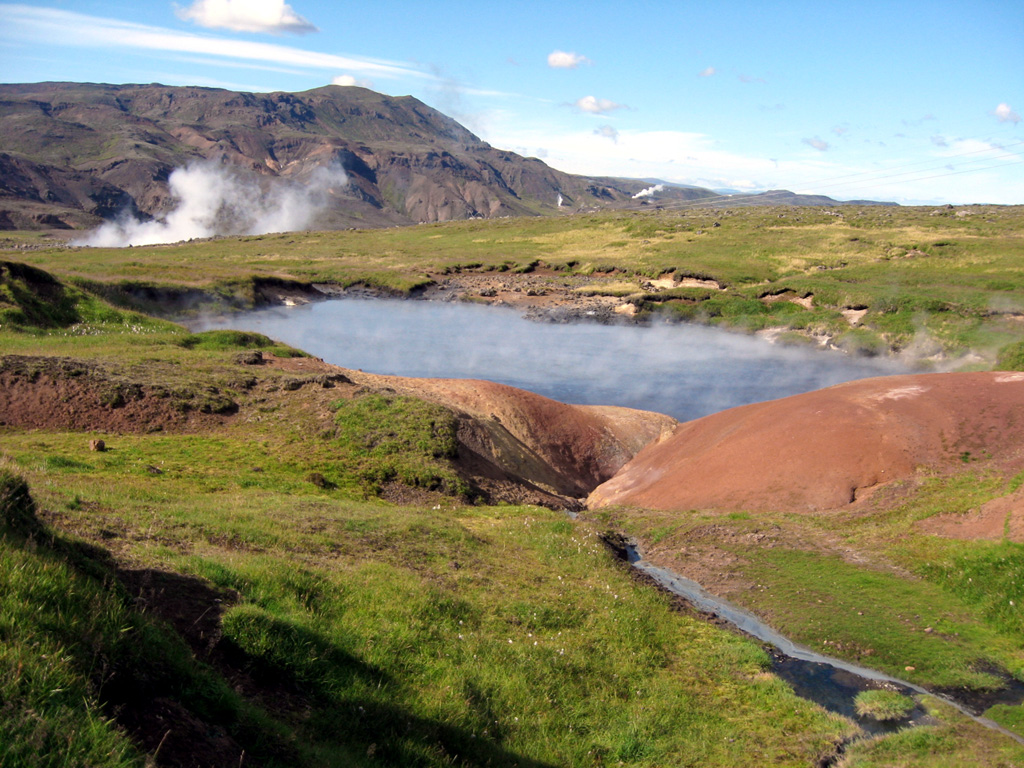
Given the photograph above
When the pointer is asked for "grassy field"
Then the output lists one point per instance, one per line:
(933, 281)
(243, 581)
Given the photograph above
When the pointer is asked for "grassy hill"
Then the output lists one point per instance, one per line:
(240, 578)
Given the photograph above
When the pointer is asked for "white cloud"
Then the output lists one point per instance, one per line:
(706, 72)
(608, 132)
(1006, 114)
(348, 80)
(597, 106)
(564, 60)
(25, 23)
(273, 16)
(817, 143)
(694, 158)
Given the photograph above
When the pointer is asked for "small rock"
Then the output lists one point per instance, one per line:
(252, 357)
(908, 668)
(154, 470)
(320, 481)
(97, 445)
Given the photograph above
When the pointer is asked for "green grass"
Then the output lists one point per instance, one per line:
(502, 635)
(381, 439)
(947, 746)
(954, 281)
(883, 705)
(389, 635)
(910, 628)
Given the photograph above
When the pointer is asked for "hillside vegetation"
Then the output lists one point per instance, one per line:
(273, 563)
(931, 283)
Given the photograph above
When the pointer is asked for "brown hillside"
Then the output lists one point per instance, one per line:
(829, 448)
(88, 150)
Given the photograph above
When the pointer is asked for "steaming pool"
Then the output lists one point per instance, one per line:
(685, 371)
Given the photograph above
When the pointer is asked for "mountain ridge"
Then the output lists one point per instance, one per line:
(75, 154)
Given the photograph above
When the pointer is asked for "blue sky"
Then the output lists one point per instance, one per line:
(917, 102)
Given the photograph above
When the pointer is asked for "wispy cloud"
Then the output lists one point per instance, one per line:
(819, 144)
(939, 141)
(608, 132)
(57, 27)
(706, 72)
(597, 106)
(273, 16)
(564, 60)
(750, 79)
(920, 121)
(1005, 114)
(693, 158)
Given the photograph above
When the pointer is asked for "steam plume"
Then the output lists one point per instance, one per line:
(649, 191)
(214, 199)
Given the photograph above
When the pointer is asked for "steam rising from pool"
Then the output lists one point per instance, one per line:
(685, 371)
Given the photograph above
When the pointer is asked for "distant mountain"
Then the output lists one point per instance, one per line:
(785, 197)
(72, 155)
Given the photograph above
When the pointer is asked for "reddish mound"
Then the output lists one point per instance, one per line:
(825, 449)
(567, 449)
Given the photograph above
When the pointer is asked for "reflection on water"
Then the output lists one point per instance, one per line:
(685, 371)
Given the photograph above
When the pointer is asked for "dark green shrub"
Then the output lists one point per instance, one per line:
(17, 508)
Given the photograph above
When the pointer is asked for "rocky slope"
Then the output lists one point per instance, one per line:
(80, 152)
(74, 154)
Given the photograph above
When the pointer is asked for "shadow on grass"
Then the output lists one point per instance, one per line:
(274, 694)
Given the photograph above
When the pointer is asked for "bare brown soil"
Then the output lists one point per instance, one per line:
(828, 449)
(65, 393)
(515, 446)
(997, 520)
(543, 294)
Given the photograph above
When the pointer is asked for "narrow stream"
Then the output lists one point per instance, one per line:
(830, 682)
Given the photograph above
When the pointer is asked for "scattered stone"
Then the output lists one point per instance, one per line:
(252, 357)
(320, 481)
(97, 445)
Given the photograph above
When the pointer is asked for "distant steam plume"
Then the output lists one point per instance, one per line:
(214, 199)
(649, 191)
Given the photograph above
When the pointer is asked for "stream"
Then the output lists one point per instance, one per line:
(825, 680)
(685, 371)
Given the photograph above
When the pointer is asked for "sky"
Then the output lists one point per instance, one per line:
(913, 101)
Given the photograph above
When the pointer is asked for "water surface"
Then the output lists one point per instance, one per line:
(685, 371)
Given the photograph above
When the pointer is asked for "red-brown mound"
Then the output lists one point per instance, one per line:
(825, 449)
(566, 449)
